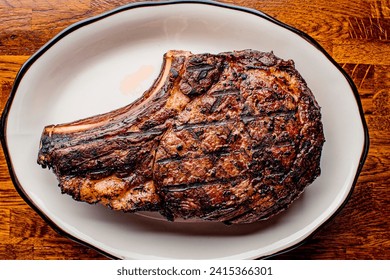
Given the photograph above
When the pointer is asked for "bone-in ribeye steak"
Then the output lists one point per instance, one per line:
(232, 137)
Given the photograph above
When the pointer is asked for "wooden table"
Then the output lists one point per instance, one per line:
(355, 33)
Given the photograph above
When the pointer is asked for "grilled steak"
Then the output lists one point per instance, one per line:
(232, 137)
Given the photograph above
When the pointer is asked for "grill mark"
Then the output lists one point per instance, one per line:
(141, 134)
(224, 151)
(157, 146)
(184, 187)
(172, 159)
(220, 213)
(203, 124)
(261, 146)
(200, 67)
(107, 137)
(273, 175)
(279, 113)
(261, 67)
(248, 118)
(245, 216)
(298, 153)
(232, 91)
(216, 104)
(75, 170)
(244, 118)
(230, 136)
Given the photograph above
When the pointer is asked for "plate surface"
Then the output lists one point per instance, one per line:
(108, 61)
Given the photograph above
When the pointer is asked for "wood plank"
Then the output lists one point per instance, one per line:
(357, 52)
(369, 28)
(9, 4)
(382, 77)
(100, 6)
(51, 17)
(52, 250)
(5, 223)
(10, 66)
(25, 223)
(58, 5)
(19, 42)
(380, 9)
(16, 19)
(10, 198)
(5, 90)
(376, 167)
(361, 74)
(16, 252)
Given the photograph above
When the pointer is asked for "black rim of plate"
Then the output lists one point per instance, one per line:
(130, 6)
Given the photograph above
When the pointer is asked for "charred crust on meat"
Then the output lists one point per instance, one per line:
(233, 137)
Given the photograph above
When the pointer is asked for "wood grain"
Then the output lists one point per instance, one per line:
(356, 34)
